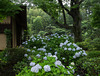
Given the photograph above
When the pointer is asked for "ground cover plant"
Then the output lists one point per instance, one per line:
(53, 55)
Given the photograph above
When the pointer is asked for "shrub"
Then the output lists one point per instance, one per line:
(8, 58)
(92, 54)
(17, 68)
(13, 55)
(59, 46)
(87, 44)
(88, 66)
(46, 66)
(36, 41)
(96, 43)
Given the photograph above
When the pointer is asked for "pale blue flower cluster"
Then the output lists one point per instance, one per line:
(38, 55)
(42, 49)
(36, 68)
(47, 68)
(32, 64)
(25, 55)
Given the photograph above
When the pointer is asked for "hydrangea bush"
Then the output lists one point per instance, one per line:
(51, 56)
(47, 65)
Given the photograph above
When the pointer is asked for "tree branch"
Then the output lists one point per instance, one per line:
(64, 16)
(59, 24)
(60, 2)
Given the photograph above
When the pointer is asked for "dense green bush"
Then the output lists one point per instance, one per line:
(96, 43)
(92, 54)
(88, 66)
(90, 44)
(13, 55)
(87, 44)
(8, 58)
(19, 66)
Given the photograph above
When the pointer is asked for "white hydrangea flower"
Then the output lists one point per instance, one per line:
(68, 72)
(45, 58)
(72, 63)
(23, 43)
(26, 43)
(58, 63)
(61, 44)
(75, 45)
(63, 58)
(73, 71)
(25, 55)
(33, 50)
(65, 48)
(84, 54)
(37, 39)
(66, 42)
(28, 50)
(34, 69)
(47, 68)
(38, 66)
(42, 49)
(55, 53)
(38, 55)
(49, 54)
(69, 44)
(73, 49)
(78, 75)
(29, 58)
(34, 47)
(55, 57)
(77, 54)
(44, 46)
(33, 40)
(32, 64)
(74, 57)
(45, 53)
(78, 48)
(69, 49)
(70, 67)
(58, 36)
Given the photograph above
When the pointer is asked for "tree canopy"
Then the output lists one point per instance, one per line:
(7, 8)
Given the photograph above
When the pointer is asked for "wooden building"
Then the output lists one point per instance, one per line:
(17, 25)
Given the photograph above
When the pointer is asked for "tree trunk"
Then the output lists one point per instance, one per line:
(77, 25)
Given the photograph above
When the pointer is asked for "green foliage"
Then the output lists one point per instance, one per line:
(89, 44)
(19, 66)
(96, 43)
(93, 54)
(42, 33)
(88, 66)
(37, 20)
(59, 31)
(8, 37)
(96, 16)
(7, 8)
(45, 4)
(86, 45)
(8, 58)
(12, 55)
